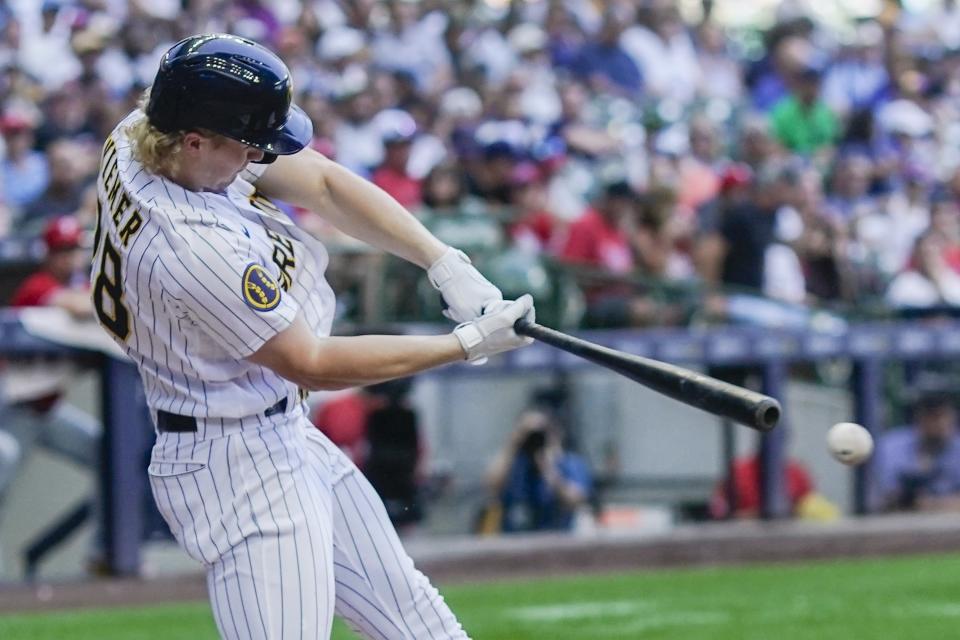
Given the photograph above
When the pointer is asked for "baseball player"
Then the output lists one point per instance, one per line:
(222, 303)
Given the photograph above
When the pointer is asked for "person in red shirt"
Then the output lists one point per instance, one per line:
(534, 227)
(34, 413)
(599, 240)
(746, 483)
(397, 131)
(60, 281)
(598, 237)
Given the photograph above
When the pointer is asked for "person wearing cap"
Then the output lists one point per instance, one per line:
(56, 283)
(743, 250)
(917, 466)
(34, 411)
(397, 132)
(599, 240)
(356, 138)
(801, 121)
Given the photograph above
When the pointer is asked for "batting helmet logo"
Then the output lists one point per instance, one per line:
(260, 290)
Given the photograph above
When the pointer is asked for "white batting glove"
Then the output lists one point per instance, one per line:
(465, 291)
(493, 332)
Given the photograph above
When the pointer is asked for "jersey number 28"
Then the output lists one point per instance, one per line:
(111, 287)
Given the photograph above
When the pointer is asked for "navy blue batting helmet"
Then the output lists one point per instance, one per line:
(231, 86)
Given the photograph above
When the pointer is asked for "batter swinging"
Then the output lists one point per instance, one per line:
(222, 303)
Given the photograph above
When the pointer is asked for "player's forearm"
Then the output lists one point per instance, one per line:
(340, 362)
(364, 211)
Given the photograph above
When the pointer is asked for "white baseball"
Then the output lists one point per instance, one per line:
(849, 442)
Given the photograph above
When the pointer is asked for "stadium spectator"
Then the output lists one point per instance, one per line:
(746, 489)
(599, 241)
(67, 114)
(61, 281)
(490, 176)
(413, 42)
(453, 215)
(537, 484)
(26, 171)
(929, 280)
(356, 139)
(604, 64)
(756, 145)
(657, 235)
(801, 121)
(598, 238)
(343, 419)
(747, 229)
(857, 79)
(721, 77)
(917, 466)
(565, 35)
(35, 412)
(787, 46)
(533, 226)
(660, 46)
(70, 167)
(397, 132)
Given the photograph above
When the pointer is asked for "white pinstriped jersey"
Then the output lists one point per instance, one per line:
(191, 283)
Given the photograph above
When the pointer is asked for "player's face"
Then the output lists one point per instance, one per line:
(225, 159)
(210, 162)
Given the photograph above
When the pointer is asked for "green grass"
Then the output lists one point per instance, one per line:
(908, 598)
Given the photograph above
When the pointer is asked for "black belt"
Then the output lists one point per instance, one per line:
(174, 423)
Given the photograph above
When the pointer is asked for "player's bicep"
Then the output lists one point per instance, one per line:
(290, 353)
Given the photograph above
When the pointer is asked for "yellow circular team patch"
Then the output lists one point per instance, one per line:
(260, 290)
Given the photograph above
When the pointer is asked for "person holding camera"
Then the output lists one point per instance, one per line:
(917, 468)
(538, 484)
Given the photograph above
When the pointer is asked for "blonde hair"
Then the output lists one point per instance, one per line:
(159, 152)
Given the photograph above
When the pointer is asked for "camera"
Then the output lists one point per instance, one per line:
(534, 442)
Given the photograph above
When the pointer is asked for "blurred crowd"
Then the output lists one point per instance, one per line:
(625, 147)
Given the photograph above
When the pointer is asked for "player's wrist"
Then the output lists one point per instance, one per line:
(433, 253)
(469, 337)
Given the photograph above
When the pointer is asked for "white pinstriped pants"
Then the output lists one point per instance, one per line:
(290, 532)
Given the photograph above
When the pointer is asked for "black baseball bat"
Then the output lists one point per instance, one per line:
(747, 407)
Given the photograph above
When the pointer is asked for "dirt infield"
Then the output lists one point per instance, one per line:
(473, 559)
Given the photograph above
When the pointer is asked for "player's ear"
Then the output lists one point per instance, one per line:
(193, 141)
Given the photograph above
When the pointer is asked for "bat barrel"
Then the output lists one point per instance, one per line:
(767, 414)
(747, 407)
